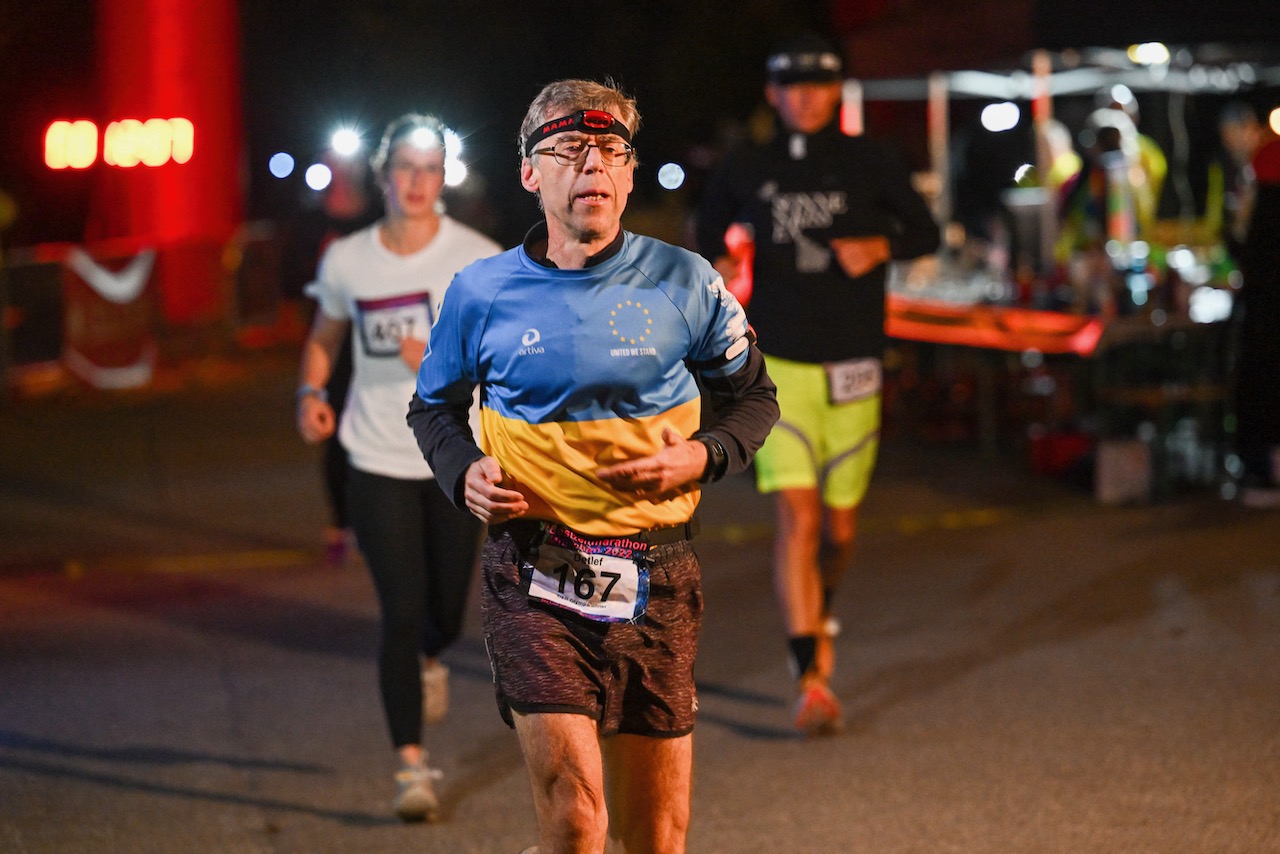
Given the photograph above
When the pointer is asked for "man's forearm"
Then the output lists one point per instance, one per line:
(444, 436)
(744, 408)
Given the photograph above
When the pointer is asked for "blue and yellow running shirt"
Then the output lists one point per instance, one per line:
(582, 368)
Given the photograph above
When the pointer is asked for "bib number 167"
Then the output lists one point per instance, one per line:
(584, 582)
(601, 587)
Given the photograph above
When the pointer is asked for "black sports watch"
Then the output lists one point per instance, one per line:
(717, 458)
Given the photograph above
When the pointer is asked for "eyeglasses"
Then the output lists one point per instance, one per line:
(571, 152)
(412, 169)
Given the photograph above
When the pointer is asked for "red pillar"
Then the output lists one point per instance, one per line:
(174, 59)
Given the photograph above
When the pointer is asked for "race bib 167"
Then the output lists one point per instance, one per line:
(601, 578)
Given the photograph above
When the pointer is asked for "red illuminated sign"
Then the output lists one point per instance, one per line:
(126, 143)
(71, 145)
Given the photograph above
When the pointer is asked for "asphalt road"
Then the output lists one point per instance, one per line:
(1024, 670)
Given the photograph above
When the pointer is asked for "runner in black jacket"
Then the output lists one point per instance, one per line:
(828, 211)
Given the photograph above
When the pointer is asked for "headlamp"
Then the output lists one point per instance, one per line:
(593, 122)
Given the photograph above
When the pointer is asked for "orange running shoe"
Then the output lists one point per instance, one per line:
(817, 711)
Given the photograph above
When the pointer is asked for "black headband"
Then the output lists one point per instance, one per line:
(585, 121)
(808, 66)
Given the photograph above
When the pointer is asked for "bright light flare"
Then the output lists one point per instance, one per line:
(345, 142)
(281, 164)
(1001, 117)
(1274, 120)
(1148, 53)
(1209, 304)
(425, 138)
(1123, 95)
(671, 176)
(455, 172)
(1180, 257)
(318, 176)
(1189, 268)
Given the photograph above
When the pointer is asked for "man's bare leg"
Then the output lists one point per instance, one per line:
(649, 791)
(562, 754)
(835, 558)
(797, 579)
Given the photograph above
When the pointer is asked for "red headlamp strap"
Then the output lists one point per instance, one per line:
(584, 121)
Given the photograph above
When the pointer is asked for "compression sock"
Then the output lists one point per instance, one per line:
(804, 649)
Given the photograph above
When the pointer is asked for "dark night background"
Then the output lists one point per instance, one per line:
(695, 68)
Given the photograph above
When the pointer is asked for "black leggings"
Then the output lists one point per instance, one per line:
(422, 553)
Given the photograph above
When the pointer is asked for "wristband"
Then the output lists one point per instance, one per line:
(717, 459)
(319, 394)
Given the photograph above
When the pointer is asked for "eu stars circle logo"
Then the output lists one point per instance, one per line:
(630, 322)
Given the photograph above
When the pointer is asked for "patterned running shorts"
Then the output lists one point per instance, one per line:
(634, 678)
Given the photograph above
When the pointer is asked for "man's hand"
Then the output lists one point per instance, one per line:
(860, 255)
(680, 461)
(316, 419)
(487, 501)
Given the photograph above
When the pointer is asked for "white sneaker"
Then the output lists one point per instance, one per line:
(435, 692)
(416, 795)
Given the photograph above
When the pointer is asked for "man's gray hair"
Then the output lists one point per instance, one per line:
(568, 96)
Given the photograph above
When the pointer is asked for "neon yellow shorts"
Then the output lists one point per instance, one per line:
(815, 443)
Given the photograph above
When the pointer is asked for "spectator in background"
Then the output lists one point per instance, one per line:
(828, 212)
(1102, 202)
(387, 281)
(1231, 173)
(1257, 392)
(1064, 162)
(1151, 167)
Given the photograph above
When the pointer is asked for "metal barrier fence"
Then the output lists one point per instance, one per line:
(105, 313)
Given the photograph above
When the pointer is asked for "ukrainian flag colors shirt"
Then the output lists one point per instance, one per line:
(580, 369)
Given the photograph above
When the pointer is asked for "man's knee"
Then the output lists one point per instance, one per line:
(562, 754)
(800, 512)
(578, 806)
(840, 529)
(838, 545)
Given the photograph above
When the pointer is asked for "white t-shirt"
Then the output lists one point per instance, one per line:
(387, 296)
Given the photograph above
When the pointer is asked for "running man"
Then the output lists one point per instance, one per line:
(828, 212)
(584, 343)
